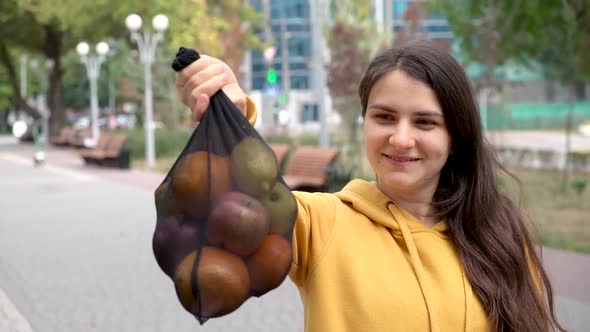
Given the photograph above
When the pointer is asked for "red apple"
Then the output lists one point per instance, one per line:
(238, 222)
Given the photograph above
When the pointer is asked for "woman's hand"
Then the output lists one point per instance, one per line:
(202, 79)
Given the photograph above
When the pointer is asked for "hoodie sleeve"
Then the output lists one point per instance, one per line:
(251, 111)
(313, 229)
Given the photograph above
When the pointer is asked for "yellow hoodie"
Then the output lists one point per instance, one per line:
(361, 263)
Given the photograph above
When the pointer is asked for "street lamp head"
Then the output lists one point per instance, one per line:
(49, 64)
(102, 48)
(133, 22)
(83, 48)
(160, 22)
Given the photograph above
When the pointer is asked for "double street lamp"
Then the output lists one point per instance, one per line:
(92, 63)
(146, 44)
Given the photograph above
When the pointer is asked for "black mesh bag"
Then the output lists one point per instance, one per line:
(224, 214)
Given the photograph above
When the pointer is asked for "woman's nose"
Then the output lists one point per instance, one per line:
(402, 136)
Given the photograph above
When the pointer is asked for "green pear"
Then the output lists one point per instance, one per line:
(281, 207)
(254, 167)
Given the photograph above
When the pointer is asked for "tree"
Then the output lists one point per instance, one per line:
(555, 33)
(222, 28)
(51, 28)
(490, 32)
(352, 40)
(562, 38)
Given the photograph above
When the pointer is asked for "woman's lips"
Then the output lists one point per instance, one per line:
(401, 161)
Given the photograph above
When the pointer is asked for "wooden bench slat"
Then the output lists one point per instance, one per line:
(307, 167)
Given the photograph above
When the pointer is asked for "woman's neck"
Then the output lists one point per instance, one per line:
(417, 204)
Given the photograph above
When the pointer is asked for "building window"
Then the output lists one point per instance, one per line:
(310, 113)
(300, 82)
(580, 91)
(258, 83)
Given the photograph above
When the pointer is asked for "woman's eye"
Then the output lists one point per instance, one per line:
(426, 122)
(383, 116)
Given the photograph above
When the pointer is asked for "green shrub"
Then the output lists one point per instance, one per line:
(169, 142)
(579, 185)
(579, 159)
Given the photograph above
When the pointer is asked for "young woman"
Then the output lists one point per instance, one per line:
(432, 245)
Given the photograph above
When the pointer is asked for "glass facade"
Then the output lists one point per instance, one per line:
(293, 17)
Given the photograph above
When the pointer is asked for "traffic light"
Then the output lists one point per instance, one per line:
(271, 76)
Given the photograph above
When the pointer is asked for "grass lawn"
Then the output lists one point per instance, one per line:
(559, 220)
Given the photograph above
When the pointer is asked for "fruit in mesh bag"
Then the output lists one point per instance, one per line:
(254, 167)
(165, 205)
(237, 222)
(173, 239)
(198, 179)
(269, 266)
(281, 207)
(222, 280)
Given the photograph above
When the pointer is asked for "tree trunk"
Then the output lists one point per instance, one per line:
(53, 50)
(571, 98)
(14, 83)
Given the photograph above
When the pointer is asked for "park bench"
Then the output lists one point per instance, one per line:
(64, 137)
(77, 140)
(88, 154)
(280, 151)
(307, 168)
(109, 151)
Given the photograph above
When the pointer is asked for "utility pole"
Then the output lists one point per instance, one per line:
(23, 83)
(286, 74)
(378, 5)
(389, 21)
(319, 71)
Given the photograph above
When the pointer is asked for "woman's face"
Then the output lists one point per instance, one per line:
(406, 138)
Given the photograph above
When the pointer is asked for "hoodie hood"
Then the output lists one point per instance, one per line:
(368, 199)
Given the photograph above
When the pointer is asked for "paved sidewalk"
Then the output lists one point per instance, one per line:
(91, 268)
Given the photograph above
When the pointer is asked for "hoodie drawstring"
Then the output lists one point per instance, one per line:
(420, 274)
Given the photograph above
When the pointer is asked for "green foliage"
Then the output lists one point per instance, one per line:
(54, 28)
(169, 142)
(5, 92)
(579, 185)
(554, 32)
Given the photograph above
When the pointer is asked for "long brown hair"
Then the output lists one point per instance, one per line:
(488, 229)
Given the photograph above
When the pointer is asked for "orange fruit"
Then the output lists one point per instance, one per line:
(165, 205)
(222, 280)
(198, 179)
(270, 264)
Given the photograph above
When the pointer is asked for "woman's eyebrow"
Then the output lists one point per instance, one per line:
(429, 113)
(419, 113)
(382, 107)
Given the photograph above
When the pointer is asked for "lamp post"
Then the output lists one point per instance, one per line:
(43, 72)
(146, 44)
(92, 64)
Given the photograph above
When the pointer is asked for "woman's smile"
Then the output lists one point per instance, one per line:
(401, 161)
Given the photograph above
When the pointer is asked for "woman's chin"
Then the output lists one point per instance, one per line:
(397, 182)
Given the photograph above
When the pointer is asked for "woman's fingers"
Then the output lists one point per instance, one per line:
(236, 95)
(202, 102)
(202, 79)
